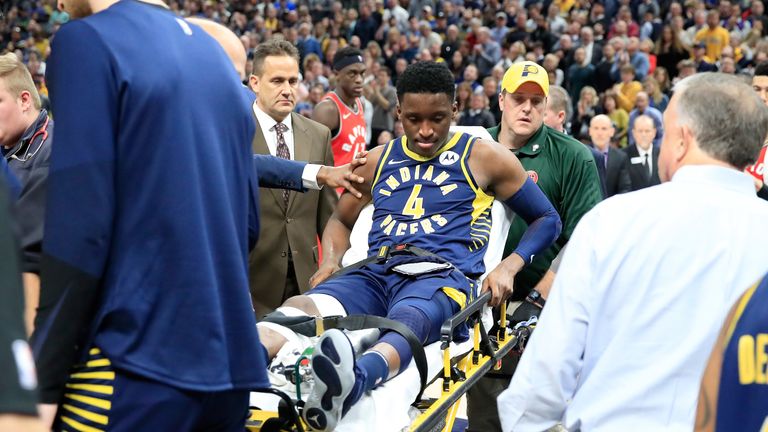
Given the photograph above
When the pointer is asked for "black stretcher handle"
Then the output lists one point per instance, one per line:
(446, 331)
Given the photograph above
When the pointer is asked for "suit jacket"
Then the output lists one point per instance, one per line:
(275, 172)
(597, 53)
(291, 230)
(600, 163)
(638, 175)
(616, 173)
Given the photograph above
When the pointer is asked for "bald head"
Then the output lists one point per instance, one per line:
(601, 131)
(642, 101)
(644, 131)
(228, 41)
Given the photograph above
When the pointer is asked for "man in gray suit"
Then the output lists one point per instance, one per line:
(286, 255)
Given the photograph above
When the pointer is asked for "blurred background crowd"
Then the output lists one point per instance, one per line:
(612, 56)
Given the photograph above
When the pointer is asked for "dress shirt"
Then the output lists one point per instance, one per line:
(642, 156)
(588, 52)
(267, 123)
(604, 152)
(637, 305)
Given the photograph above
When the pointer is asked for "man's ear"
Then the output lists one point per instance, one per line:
(686, 144)
(398, 111)
(26, 100)
(455, 109)
(253, 82)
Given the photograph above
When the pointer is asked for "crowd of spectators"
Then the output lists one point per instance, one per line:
(611, 63)
(604, 53)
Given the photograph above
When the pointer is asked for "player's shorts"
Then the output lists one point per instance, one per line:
(100, 398)
(376, 289)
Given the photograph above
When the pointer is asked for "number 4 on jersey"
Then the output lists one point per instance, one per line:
(414, 206)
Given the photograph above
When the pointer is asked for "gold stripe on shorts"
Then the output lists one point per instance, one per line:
(88, 397)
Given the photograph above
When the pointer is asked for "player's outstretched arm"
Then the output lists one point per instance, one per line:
(278, 173)
(498, 172)
(339, 227)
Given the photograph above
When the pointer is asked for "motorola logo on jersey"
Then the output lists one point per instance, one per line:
(533, 175)
(449, 158)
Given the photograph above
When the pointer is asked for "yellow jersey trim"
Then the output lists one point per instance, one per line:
(459, 297)
(96, 418)
(78, 426)
(383, 161)
(739, 311)
(415, 156)
(482, 201)
(93, 388)
(94, 375)
(98, 403)
(97, 363)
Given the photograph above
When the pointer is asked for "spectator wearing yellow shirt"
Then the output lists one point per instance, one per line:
(42, 43)
(713, 35)
(271, 22)
(618, 116)
(564, 6)
(628, 88)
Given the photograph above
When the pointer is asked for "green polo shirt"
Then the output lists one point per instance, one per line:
(565, 171)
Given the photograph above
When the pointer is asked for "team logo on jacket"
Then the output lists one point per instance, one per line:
(534, 176)
(449, 157)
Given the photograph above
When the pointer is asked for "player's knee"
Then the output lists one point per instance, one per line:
(301, 303)
(417, 321)
(413, 318)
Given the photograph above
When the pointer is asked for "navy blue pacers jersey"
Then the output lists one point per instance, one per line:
(743, 396)
(432, 203)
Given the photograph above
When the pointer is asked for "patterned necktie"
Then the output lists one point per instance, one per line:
(282, 152)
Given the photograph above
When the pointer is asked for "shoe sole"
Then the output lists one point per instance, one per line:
(333, 364)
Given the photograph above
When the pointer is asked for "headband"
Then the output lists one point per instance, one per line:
(347, 60)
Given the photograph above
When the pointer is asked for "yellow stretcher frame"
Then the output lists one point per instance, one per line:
(456, 381)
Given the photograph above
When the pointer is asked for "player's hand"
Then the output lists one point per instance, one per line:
(500, 281)
(323, 273)
(343, 176)
(21, 423)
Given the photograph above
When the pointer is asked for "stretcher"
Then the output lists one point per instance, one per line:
(393, 406)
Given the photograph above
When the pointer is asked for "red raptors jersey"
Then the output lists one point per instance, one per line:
(350, 139)
(758, 169)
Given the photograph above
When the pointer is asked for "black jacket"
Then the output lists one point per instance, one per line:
(28, 160)
(638, 174)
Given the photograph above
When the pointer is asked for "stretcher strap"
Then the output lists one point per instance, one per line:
(386, 252)
(362, 322)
